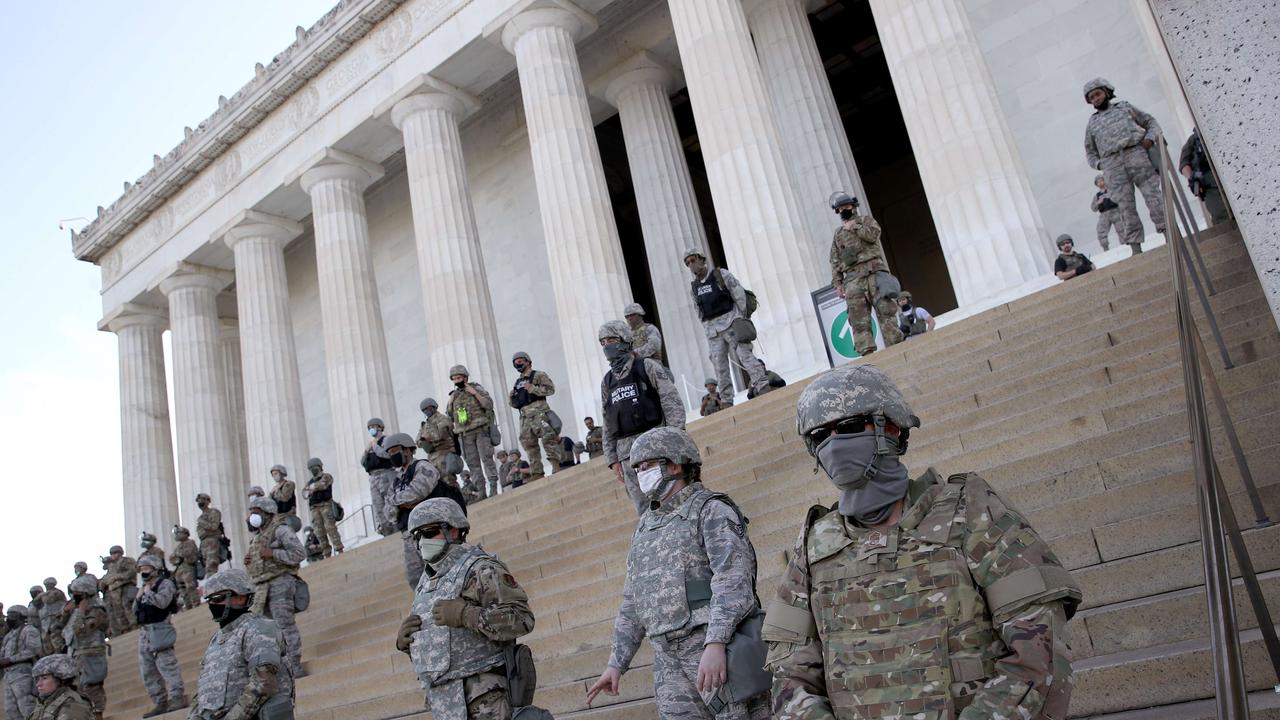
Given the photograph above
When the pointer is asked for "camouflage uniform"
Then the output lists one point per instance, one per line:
(276, 579)
(322, 520)
(461, 668)
(435, 436)
(381, 475)
(723, 342)
(285, 494)
(470, 418)
(157, 660)
(696, 540)
(63, 704)
(856, 257)
(414, 484)
(86, 638)
(154, 551)
(711, 405)
(117, 586)
(20, 649)
(183, 558)
(969, 618)
(594, 442)
(52, 602)
(648, 341)
(534, 423)
(1112, 144)
(1107, 219)
(209, 530)
(618, 449)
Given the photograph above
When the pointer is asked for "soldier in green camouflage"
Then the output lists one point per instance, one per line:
(470, 407)
(209, 530)
(183, 558)
(118, 588)
(86, 638)
(648, 338)
(926, 598)
(856, 257)
(594, 440)
(435, 436)
(711, 403)
(529, 398)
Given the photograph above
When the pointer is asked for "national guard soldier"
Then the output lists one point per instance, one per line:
(594, 441)
(118, 589)
(417, 481)
(272, 563)
(157, 661)
(636, 395)
(1116, 141)
(647, 342)
(284, 493)
(689, 614)
(52, 602)
(80, 568)
(311, 544)
(184, 559)
(149, 547)
(1070, 263)
(381, 474)
(20, 649)
(56, 692)
(244, 674)
(33, 607)
(913, 320)
(1194, 164)
(529, 398)
(86, 636)
(711, 403)
(939, 565)
(856, 257)
(1108, 214)
(471, 410)
(435, 436)
(721, 300)
(467, 612)
(209, 530)
(319, 494)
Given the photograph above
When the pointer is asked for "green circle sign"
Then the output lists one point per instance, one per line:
(842, 335)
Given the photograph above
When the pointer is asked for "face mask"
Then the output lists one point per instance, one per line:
(520, 366)
(655, 482)
(315, 472)
(846, 214)
(256, 521)
(12, 623)
(397, 458)
(432, 548)
(224, 614)
(906, 308)
(870, 482)
(617, 353)
(460, 384)
(373, 432)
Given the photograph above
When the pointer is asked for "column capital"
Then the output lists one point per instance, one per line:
(425, 93)
(187, 275)
(133, 315)
(248, 224)
(526, 15)
(640, 69)
(330, 163)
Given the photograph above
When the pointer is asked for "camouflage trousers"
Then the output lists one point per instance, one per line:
(278, 605)
(379, 492)
(51, 636)
(477, 450)
(413, 565)
(534, 427)
(1124, 171)
(480, 697)
(95, 693)
(19, 691)
(118, 616)
(160, 672)
(184, 576)
(629, 480)
(326, 528)
(857, 297)
(439, 460)
(675, 684)
(1108, 219)
(210, 550)
(727, 352)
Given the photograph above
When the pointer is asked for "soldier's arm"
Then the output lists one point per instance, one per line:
(324, 482)
(608, 443)
(868, 230)
(503, 605)
(262, 651)
(175, 557)
(795, 650)
(837, 267)
(735, 291)
(668, 395)
(482, 396)
(158, 594)
(628, 632)
(291, 551)
(733, 569)
(540, 384)
(1147, 122)
(28, 646)
(215, 517)
(1097, 200)
(652, 343)
(1091, 150)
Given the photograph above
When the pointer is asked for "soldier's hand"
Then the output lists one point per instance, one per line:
(839, 291)
(713, 668)
(608, 684)
(404, 638)
(455, 612)
(266, 552)
(1146, 143)
(617, 469)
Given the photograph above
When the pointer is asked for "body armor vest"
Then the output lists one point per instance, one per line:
(225, 670)
(466, 412)
(711, 297)
(320, 496)
(1073, 261)
(285, 507)
(522, 396)
(633, 405)
(911, 324)
(264, 570)
(444, 488)
(148, 614)
(372, 461)
(441, 653)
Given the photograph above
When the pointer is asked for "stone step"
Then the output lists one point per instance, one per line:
(1263, 705)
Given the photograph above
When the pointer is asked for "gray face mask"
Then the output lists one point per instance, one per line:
(870, 482)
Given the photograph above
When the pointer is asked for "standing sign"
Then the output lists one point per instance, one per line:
(833, 318)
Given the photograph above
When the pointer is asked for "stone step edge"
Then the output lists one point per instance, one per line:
(1193, 710)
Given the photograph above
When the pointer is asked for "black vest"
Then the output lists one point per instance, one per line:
(632, 405)
(444, 488)
(372, 461)
(284, 507)
(712, 299)
(522, 396)
(148, 614)
(320, 496)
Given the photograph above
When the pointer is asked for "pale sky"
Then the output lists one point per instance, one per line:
(91, 91)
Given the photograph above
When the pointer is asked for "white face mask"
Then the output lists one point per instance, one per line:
(649, 479)
(256, 520)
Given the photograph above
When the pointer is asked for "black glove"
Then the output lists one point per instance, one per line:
(411, 625)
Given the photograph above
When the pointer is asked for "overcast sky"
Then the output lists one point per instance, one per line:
(91, 91)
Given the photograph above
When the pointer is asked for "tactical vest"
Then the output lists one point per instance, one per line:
(669, 568)
(443, 488)
(522, 396)
(264, 570)
(224, 672)
(147, 614)
(372, 461)
(466, 411)
(321, 496)
(440, 653)
(712, 298)
(286, 507)
(1073, 261)
(904, 609)
(632, 404)
(911, 324)
(443, 443)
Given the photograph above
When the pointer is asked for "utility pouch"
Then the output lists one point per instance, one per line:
(743, 330)
(301, 596)
(279, 707)
(522, 675)
(161, 636)
(554, 421)
(93, 669)
(452, 464)
(887, 286)
(747, 676)
(339, 512)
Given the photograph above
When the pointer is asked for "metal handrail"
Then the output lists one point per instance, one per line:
(1216, 515)
(365, 514)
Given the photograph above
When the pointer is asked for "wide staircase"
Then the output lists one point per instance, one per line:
(1070, 402)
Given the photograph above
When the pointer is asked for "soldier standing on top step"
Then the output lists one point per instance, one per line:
(184, 557)
(381, 474)
(691, 613)
(711, 401)
(1070, 263)
(285, 494)
(319, 495)
(209, 530)
(856, 257)
(467, 612)
(529, 398)
(721, 302)
(1116, 141)
(470, 407)
(594, 440)
(940, 565)
(648, 338)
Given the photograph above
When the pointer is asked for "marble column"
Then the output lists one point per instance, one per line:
(146, 450)
(813, 134)
(355, 348)
(275, 427)
(766, 239)
(588, 273)
(987, 219)
(233, 371)
(640, 88)
(207, 444)
(455, 288)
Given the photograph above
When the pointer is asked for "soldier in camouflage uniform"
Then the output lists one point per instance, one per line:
(86, 638)
(636, 395)
(647, 341)
(416, 481)
(1108, 214)
(711, 403)
(529, 398)
(467, 612)
(118, 589)
(594, 441)
(471, 410)
(435, 436)
(272, 563)
(156, 602)
(209, 530)
(720, 300)
(149, 547)
(1070, 263)
(245, 673)
(52, 602)
(311, 544)
(184, 557)
(20, 649)
(381, 474)
(688, 615)
(319, 494)
(285, 494)
(1116, 141)
(929, 597)
(55, 688)
(856, 257)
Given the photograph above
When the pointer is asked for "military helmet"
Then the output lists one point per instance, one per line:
(86, 584)
(1100, 176)
(633, 309)
(1099, 82)
(376, 422)
(265, 504)
(459, 370)
(151, 561)
(670, 443)
(146, 537)
(233, 579)
(36, 589)
(203, 496)
(839, 198)
(1063, 238)
(115, 550)
(616, 328)
(256, 490)
(51, 582)
(284, 471)
(711, 381)
(19, 610)
(428, 403)
(81, 567)
(513, 451)
(694, 252)
(179, 531)
(849, 391)
(905, 294)
(59, 665)
(438, 510)
(314, 462)
(522, 354)
(403, 440)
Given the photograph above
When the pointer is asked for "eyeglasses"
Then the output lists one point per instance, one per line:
(429, 531)
(855, 424)
(650, 464)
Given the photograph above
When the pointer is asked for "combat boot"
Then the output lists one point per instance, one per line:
(159, 709)
(177, 703)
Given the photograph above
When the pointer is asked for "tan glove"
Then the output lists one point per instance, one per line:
(455, 613)
(411, 625)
